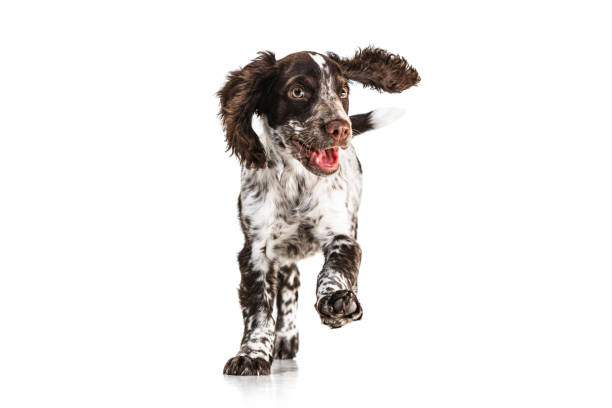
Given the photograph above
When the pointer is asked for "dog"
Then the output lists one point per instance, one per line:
(300, 188)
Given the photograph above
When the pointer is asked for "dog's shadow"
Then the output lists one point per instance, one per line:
(282, 379)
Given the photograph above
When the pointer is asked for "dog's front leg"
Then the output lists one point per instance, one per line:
(257, 294)
(337, 302)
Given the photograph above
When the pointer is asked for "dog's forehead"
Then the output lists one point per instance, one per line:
(309, 63)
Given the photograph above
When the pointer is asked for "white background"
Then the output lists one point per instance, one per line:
(486, 218)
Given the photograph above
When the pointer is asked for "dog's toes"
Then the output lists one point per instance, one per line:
(345, 306)
(339, 308)
(244, 365)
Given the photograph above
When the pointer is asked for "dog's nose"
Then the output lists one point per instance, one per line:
(338, 129)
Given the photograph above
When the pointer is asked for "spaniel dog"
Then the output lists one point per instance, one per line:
(300, 189)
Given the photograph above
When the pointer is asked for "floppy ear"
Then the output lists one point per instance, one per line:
(378, 69)
(241, 97)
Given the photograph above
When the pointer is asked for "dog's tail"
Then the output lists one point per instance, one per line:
(375, 119)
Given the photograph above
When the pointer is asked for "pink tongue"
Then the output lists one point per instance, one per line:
(325, 158)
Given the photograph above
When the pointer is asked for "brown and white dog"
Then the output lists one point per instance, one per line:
(301, 188)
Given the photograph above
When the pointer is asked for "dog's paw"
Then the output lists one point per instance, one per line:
(286, 348)
(243, 365)
(339, 308)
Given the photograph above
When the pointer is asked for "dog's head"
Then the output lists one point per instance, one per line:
(305, 99)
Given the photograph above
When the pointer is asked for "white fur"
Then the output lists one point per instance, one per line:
(385, 116)
(329, 96)
(319, 60)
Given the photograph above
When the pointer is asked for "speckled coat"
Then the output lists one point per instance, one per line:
(290, 208)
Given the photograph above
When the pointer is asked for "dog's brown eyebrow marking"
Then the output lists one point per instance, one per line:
(300, 78)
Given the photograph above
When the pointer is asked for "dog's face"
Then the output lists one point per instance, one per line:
(305, 99)
(307, 110)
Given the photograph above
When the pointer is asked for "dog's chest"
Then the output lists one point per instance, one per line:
(291, 213)
(304, 216)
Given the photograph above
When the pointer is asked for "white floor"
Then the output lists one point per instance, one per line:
(426, 344)
(485, 224)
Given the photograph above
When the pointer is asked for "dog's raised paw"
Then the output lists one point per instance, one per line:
(339, 308)
(244, 365)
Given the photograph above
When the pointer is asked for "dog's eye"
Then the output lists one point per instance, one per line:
(344, 92)
(297, 92)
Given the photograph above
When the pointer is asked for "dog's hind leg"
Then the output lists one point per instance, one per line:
(287, 340)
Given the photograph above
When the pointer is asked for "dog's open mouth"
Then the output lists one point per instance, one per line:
(325, 160)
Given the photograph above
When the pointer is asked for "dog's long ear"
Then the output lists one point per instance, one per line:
(241, 97)
(378, 69)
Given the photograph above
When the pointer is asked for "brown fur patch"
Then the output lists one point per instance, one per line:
(379, 69)
(240, 99)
